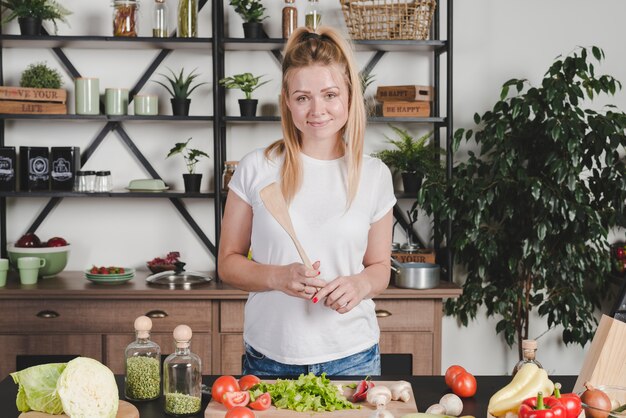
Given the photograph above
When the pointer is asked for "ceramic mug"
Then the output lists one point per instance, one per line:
(29, 268)
(87, 96)
(4, 268)
(115, 101)
(146, 105)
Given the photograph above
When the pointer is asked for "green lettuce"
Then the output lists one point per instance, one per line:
(38, 388)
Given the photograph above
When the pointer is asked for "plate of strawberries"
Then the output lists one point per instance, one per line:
(109, 274)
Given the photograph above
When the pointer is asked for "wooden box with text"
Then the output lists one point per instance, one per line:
(26, 100)
(404, 93)
(404, 109)
(420, 256)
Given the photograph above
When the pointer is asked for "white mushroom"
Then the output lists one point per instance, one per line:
(381, 413)
(452, 404)
(436, 409)
(379, 396)
(401, 390)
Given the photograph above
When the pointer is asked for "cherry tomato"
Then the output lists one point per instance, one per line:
(452, 372)
(222, 385)
(464, 385)
(246, 382)
(233, 399)
(240, 412)
(262, 402)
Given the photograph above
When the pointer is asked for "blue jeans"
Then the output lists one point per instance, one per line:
(365, 363)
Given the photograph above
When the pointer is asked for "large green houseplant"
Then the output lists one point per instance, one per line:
(531, 211)
(30, 14)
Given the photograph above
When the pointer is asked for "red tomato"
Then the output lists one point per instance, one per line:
(233, 399)
(451, 374)
(240, 412)
(262, 402)
(246, 382)
(222, 385)
(464, 385)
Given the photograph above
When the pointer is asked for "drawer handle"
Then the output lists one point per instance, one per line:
(157, 314)
(381, 313)
(47, 314)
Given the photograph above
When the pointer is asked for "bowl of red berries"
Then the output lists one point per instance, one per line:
(160, 264)
(55, 251)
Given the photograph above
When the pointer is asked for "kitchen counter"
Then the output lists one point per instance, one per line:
(427, 390)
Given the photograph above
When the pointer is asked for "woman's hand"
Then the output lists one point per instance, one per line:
(300, 282)
(343, 293)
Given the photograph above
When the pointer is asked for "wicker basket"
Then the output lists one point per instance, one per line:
(388, 19)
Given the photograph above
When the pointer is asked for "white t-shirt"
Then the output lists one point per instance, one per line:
(293, 330)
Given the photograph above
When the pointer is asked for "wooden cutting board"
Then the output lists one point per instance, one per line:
(397, 408)
(125, 410)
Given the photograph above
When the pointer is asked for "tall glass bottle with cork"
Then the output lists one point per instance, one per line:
(187, 19)
(290, 18)
(313, 17)
(143, 364)
(159, 21)
(529, 352)
(182, 376)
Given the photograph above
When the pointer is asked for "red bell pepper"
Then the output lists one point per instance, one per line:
(570, 401)
(542, 408)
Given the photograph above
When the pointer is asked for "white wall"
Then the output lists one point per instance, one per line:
(494, 40)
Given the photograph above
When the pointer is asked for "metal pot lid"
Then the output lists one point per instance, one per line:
(179, 278)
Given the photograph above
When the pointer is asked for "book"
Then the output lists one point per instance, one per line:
(404, 93)
(406, 108)
(16, 107)
(32, 94)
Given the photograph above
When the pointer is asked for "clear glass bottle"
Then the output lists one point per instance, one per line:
(313, 17)
(125, 18)
(229, 170)
(182, 376)
(142, 364)
(529, 352)
(159, 21)
(290, 18)
(187, 18)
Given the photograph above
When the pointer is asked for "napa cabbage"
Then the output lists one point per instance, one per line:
(38, 388)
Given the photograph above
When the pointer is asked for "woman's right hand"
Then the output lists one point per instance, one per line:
(299, 281)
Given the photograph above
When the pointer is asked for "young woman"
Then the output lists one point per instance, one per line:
(300, 320)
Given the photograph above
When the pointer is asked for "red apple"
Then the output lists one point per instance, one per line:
(28, 240)
(56, 242)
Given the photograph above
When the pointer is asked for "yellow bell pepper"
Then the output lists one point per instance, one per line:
(529, 380)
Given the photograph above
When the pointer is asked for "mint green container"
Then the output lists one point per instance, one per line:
(87, 96)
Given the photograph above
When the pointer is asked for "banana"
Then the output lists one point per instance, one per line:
(523, 376)
(539, 382)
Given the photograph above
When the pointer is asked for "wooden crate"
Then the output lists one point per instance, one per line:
(406, 109)
(43, 108)
(421, 256)
(404, 93)
(33, 95)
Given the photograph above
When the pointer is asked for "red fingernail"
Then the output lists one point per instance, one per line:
(314, 300)
(319, 272)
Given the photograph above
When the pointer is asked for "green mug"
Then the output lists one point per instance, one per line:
(29, 268)
(4, 268)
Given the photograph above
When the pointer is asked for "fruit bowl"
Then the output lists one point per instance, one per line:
(617, 395)
(56, 257)
(158, 268)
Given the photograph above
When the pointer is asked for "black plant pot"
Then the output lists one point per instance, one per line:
(412, 182)
(253, 30)
(192, 182)
(247, 107)
(180, 107)
(29, 26)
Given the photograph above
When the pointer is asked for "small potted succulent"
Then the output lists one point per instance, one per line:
(251, 11)
(413, 158)
(180, 88)
(192, 157)
(41, 76)
(247, 83)
(31, 13)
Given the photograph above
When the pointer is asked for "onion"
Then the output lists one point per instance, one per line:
(595, 402)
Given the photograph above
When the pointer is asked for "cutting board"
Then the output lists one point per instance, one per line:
(125, 410)
(397, 408)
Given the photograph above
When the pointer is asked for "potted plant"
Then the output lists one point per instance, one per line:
(41, 76)
(413, 158)
(531, 211)
(31, 13)
(251, 11)
(180, 88)
(192, 156)
(247, 83)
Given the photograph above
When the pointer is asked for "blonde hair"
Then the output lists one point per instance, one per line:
(326, 47)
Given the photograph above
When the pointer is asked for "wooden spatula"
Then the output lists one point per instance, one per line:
(274, 202)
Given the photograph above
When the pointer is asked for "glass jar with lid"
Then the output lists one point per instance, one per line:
(159, 21)
(229, 170)
(182, 376)
(142, 364)
(312, 15)
(125, 18)
(103, 181)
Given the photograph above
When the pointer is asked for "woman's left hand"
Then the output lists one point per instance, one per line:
(343, 293)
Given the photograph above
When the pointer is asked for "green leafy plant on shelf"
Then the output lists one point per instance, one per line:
(251, 11)
(191, 156)
(180, 86)
(531, 211)
(38, 9)
(245, 82)
(41, 76)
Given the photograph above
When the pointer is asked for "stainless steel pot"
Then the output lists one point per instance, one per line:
(416, 275)
(178, 278)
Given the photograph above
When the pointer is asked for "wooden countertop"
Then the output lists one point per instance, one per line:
(74, 285)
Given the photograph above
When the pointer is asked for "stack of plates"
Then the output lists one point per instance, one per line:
(128, 274)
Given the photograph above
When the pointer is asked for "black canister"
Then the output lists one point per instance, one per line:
(65, 162)
(34, 168)
(8, 165)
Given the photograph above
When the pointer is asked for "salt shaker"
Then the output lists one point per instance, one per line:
(103, 181)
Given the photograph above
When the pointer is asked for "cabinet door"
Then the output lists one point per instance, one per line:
(115, 345)
(87, 345)
(232, 349)
(418, 344)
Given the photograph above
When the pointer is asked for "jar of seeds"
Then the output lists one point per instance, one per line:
(182, 378)
(143, 364)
